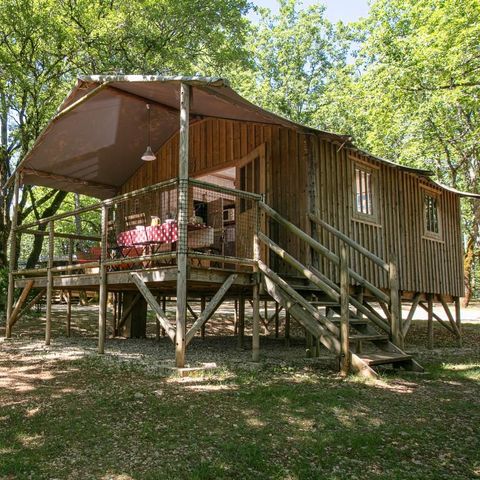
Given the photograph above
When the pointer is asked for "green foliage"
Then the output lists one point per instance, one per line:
(296, 54)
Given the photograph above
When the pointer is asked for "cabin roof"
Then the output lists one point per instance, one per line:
(94, 142)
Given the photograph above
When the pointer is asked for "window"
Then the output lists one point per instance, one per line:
(431, 213)
(365, 201)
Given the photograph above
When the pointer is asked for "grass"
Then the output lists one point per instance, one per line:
(66, 413)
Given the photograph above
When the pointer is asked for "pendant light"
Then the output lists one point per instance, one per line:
(148, 156)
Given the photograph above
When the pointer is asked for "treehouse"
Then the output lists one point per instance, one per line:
(203, 195)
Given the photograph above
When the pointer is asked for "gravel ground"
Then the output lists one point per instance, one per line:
(220, 347)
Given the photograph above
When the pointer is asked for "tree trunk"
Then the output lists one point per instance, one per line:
(38, 239)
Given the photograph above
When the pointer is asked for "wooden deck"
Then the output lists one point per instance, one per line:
(163, 279)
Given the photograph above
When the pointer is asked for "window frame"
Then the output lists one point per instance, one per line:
(371, 170)
(436, 195)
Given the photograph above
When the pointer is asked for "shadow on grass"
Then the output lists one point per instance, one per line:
(90, 418)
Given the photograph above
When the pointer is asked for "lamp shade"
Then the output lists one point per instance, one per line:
(148, 156)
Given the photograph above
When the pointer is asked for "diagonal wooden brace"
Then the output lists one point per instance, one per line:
(213, 304)
(23, 296)
(152, 302)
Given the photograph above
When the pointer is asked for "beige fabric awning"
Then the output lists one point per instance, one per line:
(94, 144)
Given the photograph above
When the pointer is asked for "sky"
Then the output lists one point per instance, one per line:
(346, 10)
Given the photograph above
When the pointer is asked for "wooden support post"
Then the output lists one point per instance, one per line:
(235, 317)
(430, 320)
(256, 298)
(458, 318)
(344, 312)
(102, 297)
(51, 251)
(12, 255)
(308, 344)
(241, 321)
(164, 308)
(277, 319)
(395, 302)
(265, 317)
(287, 328)
(69, 313)
(127, 311)
(202, 308)
(181, 311)
(158, 327)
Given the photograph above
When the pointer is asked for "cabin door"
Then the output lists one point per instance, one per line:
(250, 177)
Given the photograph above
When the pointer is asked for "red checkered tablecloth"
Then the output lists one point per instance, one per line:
(164, 233)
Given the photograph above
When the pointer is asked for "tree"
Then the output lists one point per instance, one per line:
(296, 53)
(45, 44)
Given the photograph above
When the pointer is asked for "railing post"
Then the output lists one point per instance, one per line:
(182, 245)
(13, 253)
(51, 252)
(256, 292)
(344, 312)
(102, 296)
(395, 302)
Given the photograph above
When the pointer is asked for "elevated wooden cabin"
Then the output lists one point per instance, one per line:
(254, 198)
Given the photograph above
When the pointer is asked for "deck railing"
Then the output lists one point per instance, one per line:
(216, 235)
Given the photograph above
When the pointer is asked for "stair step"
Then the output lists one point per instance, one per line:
(368, 337)
(384, 358)
(352, 321)
(324, 303)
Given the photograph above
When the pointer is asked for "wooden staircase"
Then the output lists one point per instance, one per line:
(373, 338)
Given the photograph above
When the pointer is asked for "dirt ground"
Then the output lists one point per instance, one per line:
(220, 345)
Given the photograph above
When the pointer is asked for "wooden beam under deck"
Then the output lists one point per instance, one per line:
(200, 279)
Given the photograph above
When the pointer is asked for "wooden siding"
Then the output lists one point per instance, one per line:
(425, 265)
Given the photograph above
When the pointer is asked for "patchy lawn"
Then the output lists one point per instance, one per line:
(67, 413)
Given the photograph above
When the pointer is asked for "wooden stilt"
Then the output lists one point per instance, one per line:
(265, 317)
(164, 308)
(181, 311)
(287, 328)
(308, 344)
(430, 320)
(48, 316)
(235, 317)
(12, 255)
(202, 308)
(344, 313)
(69, 313)
(241, 321)
(277, 319)
(256, 301)
(102, 297)
(395, 303)
(458, 318)
(158, 327)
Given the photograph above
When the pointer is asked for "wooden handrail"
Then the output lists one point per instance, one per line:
(377, 260)
(322, 282)
(97, 206)
(71, 236)
(323, 250)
